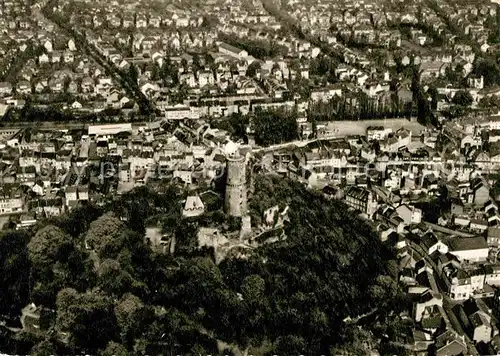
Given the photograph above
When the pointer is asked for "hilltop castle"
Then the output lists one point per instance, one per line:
(235, 203)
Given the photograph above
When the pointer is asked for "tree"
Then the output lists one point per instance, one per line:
(77, 221)
(65, 298)
(133, 73)
(88, 318)
(253, 289)
(155, 73)
(126, 239)
(186, 235)
(255, 307)
(491, 102)
(103, 232)
(44, 348)
(273, 127)
(128, 316)
(424, 114)
(67, 82)
(239, 123)
(293, 294)
(209, 21)
(47, 246)
(318, 324)
(113, 280)
(384, 289)
(354, 341)
(196, 63)
(199, 281)
(14, 272)
(184, 64)
(236, 125)
(290, 345)
(114, 349)
(489, 70)
(462, 98)
(57, 263)
(253, 68)
(433, 94)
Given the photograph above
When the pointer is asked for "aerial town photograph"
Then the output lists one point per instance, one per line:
(250, 177)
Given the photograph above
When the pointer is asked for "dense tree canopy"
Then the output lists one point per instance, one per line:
(47, 245)
(87, 318)
(114, 349)
(463, 98)
(103, 232)
(15, 268)
(253, 68)
(44, 347)
(236, 125)
(273, 127)
(489, 70)
(118, 296)
(269, 126)
(258, 48)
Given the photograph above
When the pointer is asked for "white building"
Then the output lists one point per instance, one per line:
(464, 288)
(180, 112)
(409, 214)
(325, 94)
(377, 133)
(492, 275)
(232, 51)
(110, 129)
(471, 249)
(428, 298)
(10, 205)
(193, 206)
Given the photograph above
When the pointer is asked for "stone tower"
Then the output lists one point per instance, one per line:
(235, 203)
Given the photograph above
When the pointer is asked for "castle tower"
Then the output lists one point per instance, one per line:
(235, 203)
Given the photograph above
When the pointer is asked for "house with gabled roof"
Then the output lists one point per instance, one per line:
(232, 51)
(469, 249)
(23, 87)
(193, 206)
(430, 243)
(5, 88)
(450, 343)
(427, 299)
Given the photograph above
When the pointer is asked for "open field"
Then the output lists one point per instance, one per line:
(343, 128)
